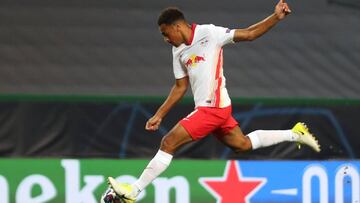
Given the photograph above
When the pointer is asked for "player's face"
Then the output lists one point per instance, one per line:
(171, 34)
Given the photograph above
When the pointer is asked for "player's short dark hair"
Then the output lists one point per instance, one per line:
(170, 15)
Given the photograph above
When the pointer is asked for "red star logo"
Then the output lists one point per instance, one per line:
(232, 187)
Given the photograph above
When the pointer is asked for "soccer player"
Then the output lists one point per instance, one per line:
(197, 62)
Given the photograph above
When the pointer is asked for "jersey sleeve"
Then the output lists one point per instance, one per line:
(178, 68)
(223, 35)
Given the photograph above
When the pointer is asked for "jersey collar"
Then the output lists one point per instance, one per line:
(193, 26)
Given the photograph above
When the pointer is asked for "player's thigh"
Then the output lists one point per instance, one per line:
(235, 139)
(175, 138)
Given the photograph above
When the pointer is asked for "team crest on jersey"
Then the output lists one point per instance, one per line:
(194, 60)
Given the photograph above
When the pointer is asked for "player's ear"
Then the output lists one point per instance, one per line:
(177, 26)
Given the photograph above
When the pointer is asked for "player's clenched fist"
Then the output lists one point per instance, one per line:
(153, 123)
(282, 9)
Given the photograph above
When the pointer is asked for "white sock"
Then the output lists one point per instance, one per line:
(156, 166)
(264, 138)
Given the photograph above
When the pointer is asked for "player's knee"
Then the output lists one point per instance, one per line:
(167, 145)
(244, 146)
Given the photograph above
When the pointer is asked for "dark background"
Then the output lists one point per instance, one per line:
(116, 130)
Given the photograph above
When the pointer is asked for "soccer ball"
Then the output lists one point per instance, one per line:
(109, 196)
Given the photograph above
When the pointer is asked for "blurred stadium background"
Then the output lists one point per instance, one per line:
(79, 79)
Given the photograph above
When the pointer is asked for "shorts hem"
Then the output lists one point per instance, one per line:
(187, 130)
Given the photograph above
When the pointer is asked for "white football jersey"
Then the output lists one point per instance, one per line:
(202, 60)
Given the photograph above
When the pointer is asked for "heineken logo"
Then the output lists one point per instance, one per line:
(185, 181)
(232, 186)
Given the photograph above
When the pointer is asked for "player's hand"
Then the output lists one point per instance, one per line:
(153, 123)
(282, 9)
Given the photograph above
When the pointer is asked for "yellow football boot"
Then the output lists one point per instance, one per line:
(122, 189)
(305, 137)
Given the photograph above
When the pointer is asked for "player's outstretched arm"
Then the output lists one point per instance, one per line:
(254, 31)
(176, 93)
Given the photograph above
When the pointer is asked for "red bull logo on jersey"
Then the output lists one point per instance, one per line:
(194, 60)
